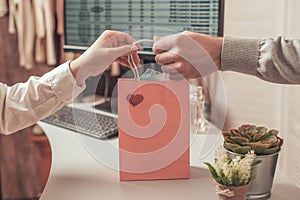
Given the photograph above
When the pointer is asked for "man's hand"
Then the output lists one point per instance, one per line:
(188, 54)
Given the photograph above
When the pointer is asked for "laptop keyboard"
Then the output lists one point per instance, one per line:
(85, 122)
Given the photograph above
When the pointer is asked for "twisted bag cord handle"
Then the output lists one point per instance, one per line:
(131, 60)
(225, 192)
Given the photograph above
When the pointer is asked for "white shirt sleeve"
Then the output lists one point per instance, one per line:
(23, 104)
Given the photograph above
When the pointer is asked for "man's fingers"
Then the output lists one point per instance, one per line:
(162, 44)
(173, 73)
(166, 58)
(168, 69)
(179, 70)
(156, 38)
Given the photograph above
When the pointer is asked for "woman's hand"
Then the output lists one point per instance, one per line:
(111, 46)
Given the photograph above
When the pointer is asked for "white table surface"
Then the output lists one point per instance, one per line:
(76, 173)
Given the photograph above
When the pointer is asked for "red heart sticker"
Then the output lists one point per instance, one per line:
(135, 99)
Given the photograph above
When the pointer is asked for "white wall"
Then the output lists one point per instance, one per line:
(292, 103)
(254, 18)
(250, 100)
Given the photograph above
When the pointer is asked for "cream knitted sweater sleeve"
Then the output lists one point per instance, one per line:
(274, 60)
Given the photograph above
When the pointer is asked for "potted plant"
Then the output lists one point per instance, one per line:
(266, 144)
(232, 175)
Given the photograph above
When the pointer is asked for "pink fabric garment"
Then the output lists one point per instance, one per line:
(40, 33)
(21, 21)
(59, 9)
(34, 23)
(3, 8)
(154, 129)
(45, 31)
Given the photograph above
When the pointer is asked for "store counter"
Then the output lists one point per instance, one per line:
(78, 171)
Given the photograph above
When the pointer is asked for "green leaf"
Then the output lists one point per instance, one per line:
(257, 137)
(240, 140)
(278, 143)
(242, 150)
(261, 130)
(235, 178)
(252, 131)
(246, 128)
(226, 134)
(270, 133)
(274, 132)
(234, 132)
(230, 146)
(245, 135)
(259, 147)
(252, 177)
(212, 171)
(229, 140)
(271, 139)
(224, 179)
(255, 163)
(270, 151)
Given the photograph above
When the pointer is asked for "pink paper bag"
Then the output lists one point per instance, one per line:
(154, 132)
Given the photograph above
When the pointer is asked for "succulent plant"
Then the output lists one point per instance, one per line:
(251, 137)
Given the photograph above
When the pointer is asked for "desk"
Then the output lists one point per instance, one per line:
(76, 174)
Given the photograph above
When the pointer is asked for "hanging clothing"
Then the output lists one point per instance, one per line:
(60, 27)
(40, 31)
(3, 8)
(45, 31)
(21, 21)
(34, 23)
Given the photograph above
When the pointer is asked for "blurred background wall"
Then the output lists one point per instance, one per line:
(250, 100)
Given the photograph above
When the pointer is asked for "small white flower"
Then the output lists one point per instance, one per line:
(233, 172)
